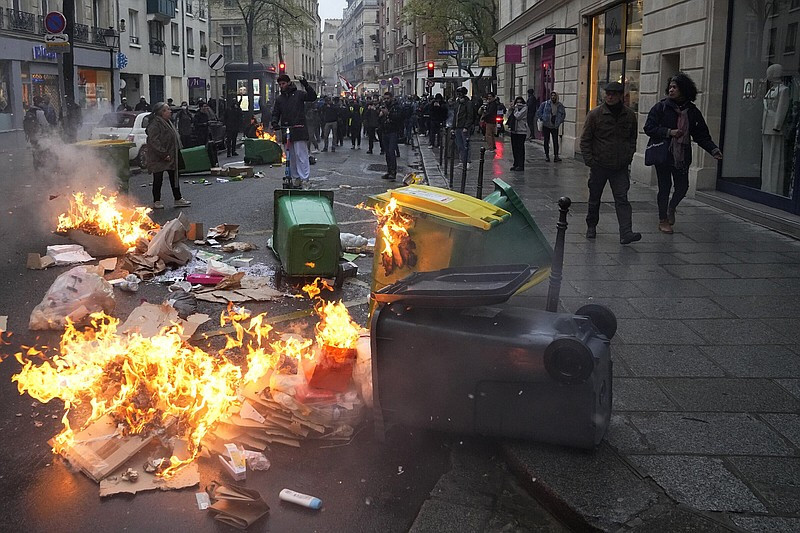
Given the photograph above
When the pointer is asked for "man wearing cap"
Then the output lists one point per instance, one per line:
(608, 143)
(463, 118)
(143, 105)
(290, 112)
(124, 106)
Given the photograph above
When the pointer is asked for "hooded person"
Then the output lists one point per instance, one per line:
(289, 112)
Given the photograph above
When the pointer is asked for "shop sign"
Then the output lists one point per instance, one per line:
(487, 61)
(41, 52)
(561, 31)
(513, 53)
(615, 30)
(197, 83)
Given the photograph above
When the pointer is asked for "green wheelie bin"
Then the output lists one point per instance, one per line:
(116, 153)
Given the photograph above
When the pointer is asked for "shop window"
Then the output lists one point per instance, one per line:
(791, 39)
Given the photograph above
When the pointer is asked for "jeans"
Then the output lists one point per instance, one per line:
(462, 143)
(390, 149)
(330, 129)
(409, 129)
(620, 183)
(518, 149)
(158, 180)
(230, 142)
(667, 175)
(355, 134)
(550, 132)
(298, 160)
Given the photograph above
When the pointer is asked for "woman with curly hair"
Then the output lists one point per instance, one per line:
(671, 125)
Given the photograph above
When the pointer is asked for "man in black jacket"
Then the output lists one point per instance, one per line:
(233, 123)
(330, 114)
(438, 115)
(463, 119)
(290, 112)
(391, 121)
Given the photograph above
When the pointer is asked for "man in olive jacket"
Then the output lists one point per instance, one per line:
(608, 143)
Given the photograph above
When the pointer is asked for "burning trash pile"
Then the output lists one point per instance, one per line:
(398, 250)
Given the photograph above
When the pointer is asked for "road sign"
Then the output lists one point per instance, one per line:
(429, 83)
(459, 40)
(216, 61)
(56, 41)
(448, 52)
(54, 22)
(561, 31)
(487, 61)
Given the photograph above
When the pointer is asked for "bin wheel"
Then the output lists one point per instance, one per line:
(338, 281)
(278, 278)
(247, 161)
(602, 317)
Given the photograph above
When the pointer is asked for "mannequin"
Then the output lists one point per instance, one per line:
(776, 105)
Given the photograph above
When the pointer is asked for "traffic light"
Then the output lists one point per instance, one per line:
(430, 69)
(281, 68)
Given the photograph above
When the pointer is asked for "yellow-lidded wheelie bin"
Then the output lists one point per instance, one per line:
(451, 229)
(116, 153)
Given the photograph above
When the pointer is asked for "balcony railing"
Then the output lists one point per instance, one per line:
(161, 8)
(81, 33)
(99, 36)
(190, 51)
(19, 21)
(156, 47)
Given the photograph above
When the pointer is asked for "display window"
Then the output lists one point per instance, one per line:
(94, 87)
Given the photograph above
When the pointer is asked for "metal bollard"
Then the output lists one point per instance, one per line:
(452, 156)
(463, 179)
(479, 193)
(441, 145)
(558, 256)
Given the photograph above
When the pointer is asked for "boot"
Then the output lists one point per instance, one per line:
(591, 232)
(664, 226)
(671, 216)
(630, 237)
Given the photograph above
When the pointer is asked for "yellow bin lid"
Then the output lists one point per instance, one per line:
(449, 205)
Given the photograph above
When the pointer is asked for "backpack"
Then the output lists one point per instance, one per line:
(30, 123)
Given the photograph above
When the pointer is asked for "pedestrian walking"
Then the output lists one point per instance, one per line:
(671, 125)
(143, 106)
(518, 127)
(370, 117)
(533, 107)
(608, 143)
(330, 114)
(463, 117)
(552, 115)
(391, 121)
(489, 118)
(313, 125)
(355, 124)
(290, 112)
(35, 126)
(233, 124)
(342, 122)
(201, 127)
(163, 151)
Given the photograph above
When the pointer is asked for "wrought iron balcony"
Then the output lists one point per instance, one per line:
(81, 33)
(156, 47)
(99, 36)
(162, 9)
(19, 21)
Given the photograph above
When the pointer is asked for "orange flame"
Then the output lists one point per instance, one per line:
(313, 289)
(101, 215)
(335, 327)
(261, 133)
(393, 226)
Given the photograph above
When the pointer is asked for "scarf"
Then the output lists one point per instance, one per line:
(678, 145)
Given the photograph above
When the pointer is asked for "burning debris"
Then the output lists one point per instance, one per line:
(398, 248)
(102, 215)
(261, 133)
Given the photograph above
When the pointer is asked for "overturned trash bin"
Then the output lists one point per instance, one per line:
(449, 354)
(198, 158)
(449, 229)
(261, 152)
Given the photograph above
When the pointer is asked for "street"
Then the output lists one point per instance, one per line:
(413, 480)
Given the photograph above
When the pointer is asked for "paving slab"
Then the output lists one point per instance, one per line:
(679, 308)
(743, 287)
(767, 524)
(586, 258)
(638, 272)
(677, 519)
(758, 361)
(646, 360)
(654, 331)
(791, 385)
(596, 485)
(605, 289)
(788, 328)
(640, 394)
(707, 258)
(700, 482)
(621, 307)
(730, 395)
(761, 306)
(737, 331)
(447, 517)
(764, 270)
(698, 271)
(762, 257)
(649, 258)
(670, 288)
(709, 434)
(623, 435)
(787, 425)
(775, 479)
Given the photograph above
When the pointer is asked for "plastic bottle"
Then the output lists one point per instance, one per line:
(299, 498)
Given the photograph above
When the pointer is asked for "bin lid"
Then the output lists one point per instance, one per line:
(458, 286)
(449, 205)
(106, 142)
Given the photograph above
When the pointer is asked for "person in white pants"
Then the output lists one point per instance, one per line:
(289, 112)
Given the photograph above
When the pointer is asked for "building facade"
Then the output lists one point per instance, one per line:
(360, 43)
(330, 46)
(165, 45)
(742, 54)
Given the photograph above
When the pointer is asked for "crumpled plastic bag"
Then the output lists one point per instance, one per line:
(75, 294)
(185, 303)
(362, 372)
(167, 244)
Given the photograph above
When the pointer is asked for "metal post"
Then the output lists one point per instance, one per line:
(111, 64)
(479, 193)
(452, 155)
(463, 179)
(558, 256)
(441, 145)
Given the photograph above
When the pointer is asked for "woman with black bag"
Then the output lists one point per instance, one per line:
(671, 125)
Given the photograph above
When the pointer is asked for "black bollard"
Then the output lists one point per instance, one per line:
(452, 156)
(558, 256)
(479, 193)
(441, 145)
(463, 179)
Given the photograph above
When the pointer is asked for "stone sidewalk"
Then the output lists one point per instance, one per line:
(705, 431)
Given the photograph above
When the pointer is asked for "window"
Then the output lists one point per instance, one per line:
(232, 43)
(133, 26)
(330, 37)
(773, 36)
(791, 38)
(188, 7)
(155, 32)
(203, 45)
(202, 9)
(795, 4)
(189, 42)
(45, 7)
(175, 36)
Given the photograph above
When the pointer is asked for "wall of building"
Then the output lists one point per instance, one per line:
(330, 44)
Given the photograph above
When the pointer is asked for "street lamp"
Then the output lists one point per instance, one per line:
(111, 37)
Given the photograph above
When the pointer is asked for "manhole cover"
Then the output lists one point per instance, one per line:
(377, 167)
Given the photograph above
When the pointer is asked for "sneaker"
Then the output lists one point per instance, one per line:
(591, 232)
(234, 154)
(183, 202)
(671, 216)
(664, 226)
(158, 205)
(305, 184)
(630, 237)
(557, 159)
(297, 183)
(369, 152)
(314, 151)
(352, 147)
(469, 166)
(388, 176)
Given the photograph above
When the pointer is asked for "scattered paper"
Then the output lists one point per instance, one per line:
(235, 464)
(68, 254)
(38, 262)
(203, 500)
(109, 265)
(187, 476)
(223, 232)
(238, 247)
(218, 267)
(149, 319)
(237, 506)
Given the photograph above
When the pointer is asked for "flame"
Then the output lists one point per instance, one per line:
(100, 215)
(393, 226)
(335, 328)
(313, 289)
(261, 133)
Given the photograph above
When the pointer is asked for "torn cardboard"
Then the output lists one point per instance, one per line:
(187, 476)
(236, 506)
(149, 319)
(251, 289)
(68, 254)
(107, 245)
(38, 262)
(144, 266)
(223, 232)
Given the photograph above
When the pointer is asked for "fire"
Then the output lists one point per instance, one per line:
(393, 225)
(313, 289)
(335, 327)
(100, 215)
(261, 133)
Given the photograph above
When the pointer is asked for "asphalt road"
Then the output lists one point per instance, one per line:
(369, 484)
